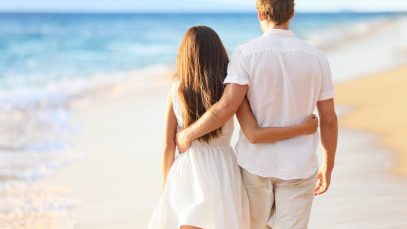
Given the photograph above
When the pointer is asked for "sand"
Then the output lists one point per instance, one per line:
(365, 192)
(379, 106)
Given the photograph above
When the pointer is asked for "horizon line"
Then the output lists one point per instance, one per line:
(56, 11)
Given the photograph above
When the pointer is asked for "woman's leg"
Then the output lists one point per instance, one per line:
(189, 227)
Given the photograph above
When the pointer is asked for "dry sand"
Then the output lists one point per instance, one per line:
(379, 106)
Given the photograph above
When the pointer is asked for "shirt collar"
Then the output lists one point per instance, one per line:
(282, 32)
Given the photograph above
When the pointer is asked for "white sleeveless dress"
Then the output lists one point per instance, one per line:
(204, 187)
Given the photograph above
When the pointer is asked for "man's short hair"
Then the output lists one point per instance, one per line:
(277, 11)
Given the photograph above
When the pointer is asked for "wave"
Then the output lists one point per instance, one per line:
(37, 120)
(332, 37)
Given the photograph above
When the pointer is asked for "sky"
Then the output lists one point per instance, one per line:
(195, 5)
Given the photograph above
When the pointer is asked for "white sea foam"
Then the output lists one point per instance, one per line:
(376, 49)
(38, 120)
(336, 35)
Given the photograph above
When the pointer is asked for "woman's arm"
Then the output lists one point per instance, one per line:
(256, 135)
(169, 139)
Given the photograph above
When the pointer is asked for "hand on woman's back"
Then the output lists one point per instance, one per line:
(310, 124)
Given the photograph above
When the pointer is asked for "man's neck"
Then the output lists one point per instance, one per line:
(265, 26)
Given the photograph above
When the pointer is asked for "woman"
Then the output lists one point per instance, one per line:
(203, 186)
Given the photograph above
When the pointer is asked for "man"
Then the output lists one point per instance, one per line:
(284, 79)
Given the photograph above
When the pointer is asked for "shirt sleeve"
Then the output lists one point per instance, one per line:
(327, 86)
(237, 71)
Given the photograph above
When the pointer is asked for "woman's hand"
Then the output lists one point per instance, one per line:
(310, 124)
(181, 140)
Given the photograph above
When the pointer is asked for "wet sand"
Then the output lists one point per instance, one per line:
(118, 179)
(363, 192)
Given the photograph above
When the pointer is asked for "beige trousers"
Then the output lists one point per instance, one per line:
(279, 204)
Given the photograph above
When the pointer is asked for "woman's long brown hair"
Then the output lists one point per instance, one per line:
(201, 68)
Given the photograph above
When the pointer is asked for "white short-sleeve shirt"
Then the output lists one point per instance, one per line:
(286, 78)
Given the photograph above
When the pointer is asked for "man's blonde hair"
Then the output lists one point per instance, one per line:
(276, 11)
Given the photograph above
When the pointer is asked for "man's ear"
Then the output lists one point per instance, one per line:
(292, 15)
(259, 16)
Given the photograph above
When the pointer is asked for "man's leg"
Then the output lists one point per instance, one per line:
(260, 192)
(293, 202)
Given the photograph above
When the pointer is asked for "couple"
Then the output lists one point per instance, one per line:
(273, 84)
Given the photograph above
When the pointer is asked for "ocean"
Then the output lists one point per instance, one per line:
(49, 59)
(37, 49)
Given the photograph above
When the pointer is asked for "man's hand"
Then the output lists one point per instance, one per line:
(183, 143)
(323, 180)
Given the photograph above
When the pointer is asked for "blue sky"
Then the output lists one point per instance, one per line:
(194, 5)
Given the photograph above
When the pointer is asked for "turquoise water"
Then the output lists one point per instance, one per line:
(40, 48)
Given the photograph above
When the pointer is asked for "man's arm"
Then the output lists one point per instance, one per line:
(213, 118)
(329, 139)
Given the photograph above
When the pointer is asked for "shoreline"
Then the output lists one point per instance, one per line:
(355, 32)
(378, 51)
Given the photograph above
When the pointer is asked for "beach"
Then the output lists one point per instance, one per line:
(369, 185)
(107, 174)
(378, 106)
